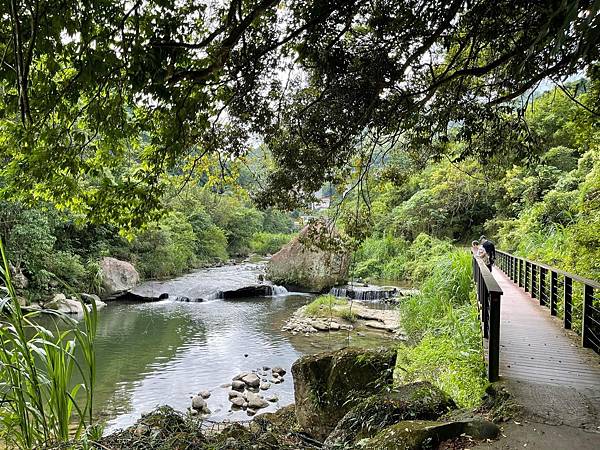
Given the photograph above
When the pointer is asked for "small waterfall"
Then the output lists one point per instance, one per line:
(278, 290)
(339, 292)
(371, 295)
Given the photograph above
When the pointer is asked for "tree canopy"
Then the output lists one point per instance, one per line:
(104, 102)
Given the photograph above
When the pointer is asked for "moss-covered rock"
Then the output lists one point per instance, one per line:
(412, 401)
(328, 385)
(424, 434)
(412, 435)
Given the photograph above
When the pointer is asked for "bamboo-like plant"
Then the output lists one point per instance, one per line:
(40, 404)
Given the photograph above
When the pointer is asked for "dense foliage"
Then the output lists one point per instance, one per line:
(543, 206)
(52, 247)
(102, 99)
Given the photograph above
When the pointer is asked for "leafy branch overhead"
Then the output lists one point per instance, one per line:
(103, 101)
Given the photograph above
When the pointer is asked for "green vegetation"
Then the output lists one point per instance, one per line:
(330, 306)
(265, 243)
(41, 403)
(52, 247)
(443, 325)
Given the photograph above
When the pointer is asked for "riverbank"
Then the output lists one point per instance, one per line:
(367, 412)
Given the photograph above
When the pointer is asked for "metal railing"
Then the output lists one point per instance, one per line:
(573, 298)
(488, 298)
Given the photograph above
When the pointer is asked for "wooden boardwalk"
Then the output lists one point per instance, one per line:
(535, 348)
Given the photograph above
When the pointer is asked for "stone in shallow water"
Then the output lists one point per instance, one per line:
(256, 401)
(265, 385)
(233, 394)
(278, 370)
(251, 380)
(239, 376)
(198, 403)
(204, 394)
(238, 385)
(237, 401)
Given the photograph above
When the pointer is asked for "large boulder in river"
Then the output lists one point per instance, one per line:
(328, 385)
(315, 260)
(413, 401)
(117, 276)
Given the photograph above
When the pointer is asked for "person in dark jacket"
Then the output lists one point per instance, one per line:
(490, 249)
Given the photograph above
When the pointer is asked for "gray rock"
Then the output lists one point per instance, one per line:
(64, 305)
(225, 385)
(237, 401)
(198, 403)
(264, 386)
(239, 376)
(251, 380)
(278, 370)
(233, 394)
(256, 401)
(272, 398)
(117, 276)
(266, 368)
(238, 385)
(250, 411)
(311, 268)
(204, 394)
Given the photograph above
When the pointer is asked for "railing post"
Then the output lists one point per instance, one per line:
(494, 339)
(520, 277)
(534, 283)
(526, 278)
(588, 298)
(553, 292)
(568, 302)
(542, 293)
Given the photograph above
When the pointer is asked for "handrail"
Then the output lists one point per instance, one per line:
(488, 298)
(542, 282)
(578, 278)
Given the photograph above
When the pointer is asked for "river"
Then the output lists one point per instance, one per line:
(164, 352)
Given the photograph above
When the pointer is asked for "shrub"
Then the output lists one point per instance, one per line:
(167, 248)
(330, 306)
(211, 242)
(265, 243)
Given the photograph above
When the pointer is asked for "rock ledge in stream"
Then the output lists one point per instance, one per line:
(386, 320)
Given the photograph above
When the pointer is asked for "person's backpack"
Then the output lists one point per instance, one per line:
(490, 250)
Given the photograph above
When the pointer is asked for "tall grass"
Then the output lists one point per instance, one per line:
(40, 404)
(443, 328)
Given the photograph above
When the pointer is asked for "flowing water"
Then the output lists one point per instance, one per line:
(156, 353)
